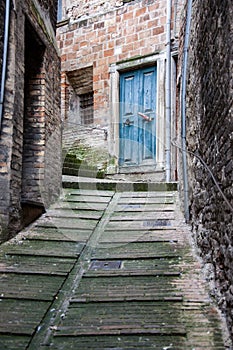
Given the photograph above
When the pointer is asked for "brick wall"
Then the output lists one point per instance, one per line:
(210, 135)
(31, 119)
(102, 33)
(88, 8)
(134, 29)
(52, 176)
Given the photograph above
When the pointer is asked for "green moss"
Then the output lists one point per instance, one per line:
(40, 21)
(84, 161)
(4, 234)
(131, 59)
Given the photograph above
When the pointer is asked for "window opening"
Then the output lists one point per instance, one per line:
(86, 108)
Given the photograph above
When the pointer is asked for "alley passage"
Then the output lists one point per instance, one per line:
(106, 270)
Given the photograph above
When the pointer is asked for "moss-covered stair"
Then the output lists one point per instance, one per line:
(106, 270)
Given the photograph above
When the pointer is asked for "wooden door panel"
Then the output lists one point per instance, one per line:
(137, 117)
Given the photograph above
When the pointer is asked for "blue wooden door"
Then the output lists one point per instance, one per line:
(138, 117)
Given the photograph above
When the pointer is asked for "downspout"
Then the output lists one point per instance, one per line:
(168, 92)
(4, 60)
(183, 109)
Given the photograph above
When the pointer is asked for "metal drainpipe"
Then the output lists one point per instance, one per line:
(183, 110)
(168, 92)
(4, 61)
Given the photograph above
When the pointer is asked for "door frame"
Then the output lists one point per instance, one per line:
(137, 79)
(114, 143)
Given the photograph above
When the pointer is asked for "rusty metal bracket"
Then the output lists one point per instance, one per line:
(145, 117)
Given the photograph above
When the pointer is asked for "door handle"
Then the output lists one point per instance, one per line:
(128, 122)
(145, 117)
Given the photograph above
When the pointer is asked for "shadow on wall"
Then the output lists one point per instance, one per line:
(31, 213)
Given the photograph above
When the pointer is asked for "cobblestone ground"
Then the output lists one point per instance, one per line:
(106, 270)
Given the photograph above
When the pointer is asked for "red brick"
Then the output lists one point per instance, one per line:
(75, 47)
(101, 62)
(127, 15)
(68, 42)
(112, 29)
(98, 25)
(144, 35)
(152, 23)
(158, 30)
(153, 7)
(96, 78)
(69, 35)
(105, 75)
(91, 36)
(133, 22)
(108, 53)
(137, 45)
(111, 59)
(146, 17)
(131, 38)
(64, 58)
(128, 30)
(140, 11)
(83, 43)
(163, 20)
(120, 41)
(123, 56)
(142, 44)
(110, 44)
(136, 52)
(106, 84)
(127, 48)
(154, 15)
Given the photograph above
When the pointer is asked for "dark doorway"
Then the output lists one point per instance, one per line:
(34, 125)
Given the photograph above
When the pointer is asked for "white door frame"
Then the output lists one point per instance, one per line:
(115, 70)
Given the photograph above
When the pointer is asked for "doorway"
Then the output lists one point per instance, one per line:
(137, 128)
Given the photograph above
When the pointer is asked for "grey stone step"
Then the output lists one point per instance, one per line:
(114, 185)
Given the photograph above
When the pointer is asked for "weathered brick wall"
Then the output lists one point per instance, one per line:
(31, 117)
(101, 33)
(88, 8)
(210, 135)
(130, 30)
(53, 149)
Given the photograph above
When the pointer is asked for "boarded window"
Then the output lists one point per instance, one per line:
(86, 108)
(81, 103)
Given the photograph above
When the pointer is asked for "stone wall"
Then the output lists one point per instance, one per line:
(210, 136)
(2, 12)
(30, 135)
(49, 8)
(86, 8)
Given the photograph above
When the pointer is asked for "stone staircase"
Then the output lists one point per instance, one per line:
(109, 266)
(85, 154)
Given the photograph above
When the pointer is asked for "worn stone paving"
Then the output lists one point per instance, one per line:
(106, 270)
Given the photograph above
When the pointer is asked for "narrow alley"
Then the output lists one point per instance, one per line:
(116, 173)
(109, 268)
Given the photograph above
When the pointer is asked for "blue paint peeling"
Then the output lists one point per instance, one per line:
(138, 131)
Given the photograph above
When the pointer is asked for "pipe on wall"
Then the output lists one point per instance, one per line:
(4, 60)
(168, 92)
(183, 109)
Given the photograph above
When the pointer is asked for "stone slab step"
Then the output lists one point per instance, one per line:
(118, 186)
